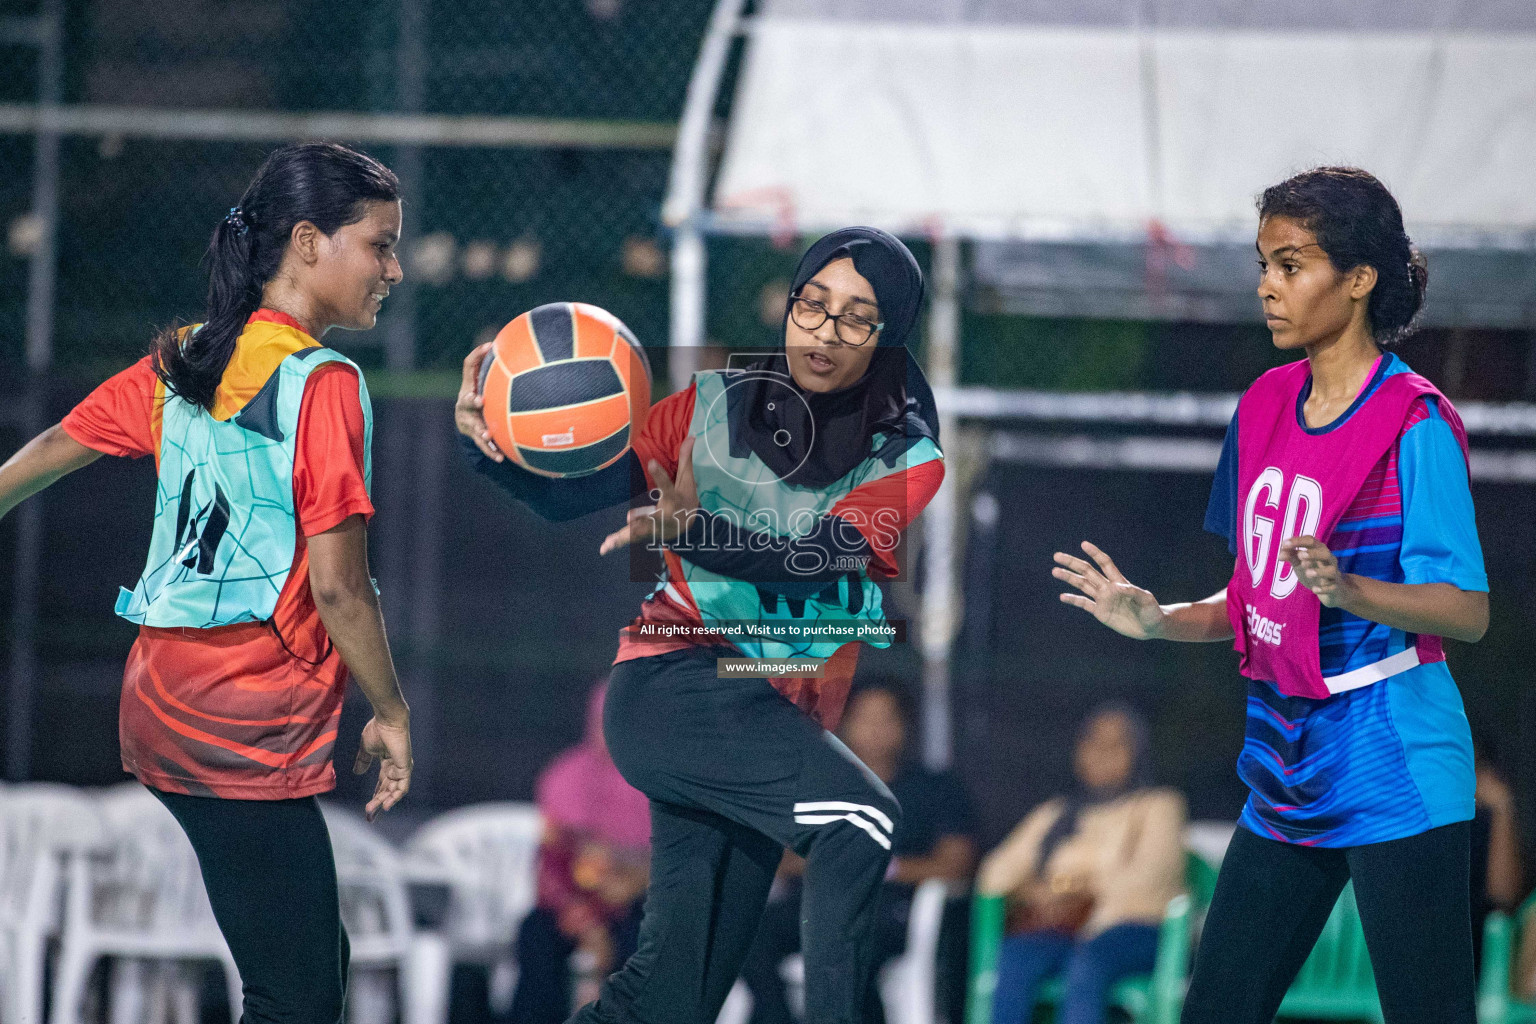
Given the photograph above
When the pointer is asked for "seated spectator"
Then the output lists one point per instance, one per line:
(1088, 876)
(1497, 876)
(593, 870)
(934, 841)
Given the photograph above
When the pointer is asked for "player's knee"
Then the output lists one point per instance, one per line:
(891, 809)
(327, 1005)
(317, 997)
(302, 1001)
(863, 830)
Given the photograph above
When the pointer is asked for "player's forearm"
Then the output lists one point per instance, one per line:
(797, 567)
(355, 624)
(1438, 609)
(47, 457)
(564, 499)
(1010, 867)
(1196, 621)
(1505, 876)
(951, 860)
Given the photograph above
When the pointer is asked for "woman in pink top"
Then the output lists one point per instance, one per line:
(593, 870)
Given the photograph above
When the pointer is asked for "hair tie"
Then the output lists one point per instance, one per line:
(236, 219)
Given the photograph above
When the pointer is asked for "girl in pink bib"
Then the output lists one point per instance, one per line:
(1343, 492)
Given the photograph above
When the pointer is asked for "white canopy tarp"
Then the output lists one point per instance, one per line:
(1092, 120)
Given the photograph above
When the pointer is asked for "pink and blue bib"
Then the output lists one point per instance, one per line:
(1372, 762)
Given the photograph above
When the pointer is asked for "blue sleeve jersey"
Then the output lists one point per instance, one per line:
(1393, 759)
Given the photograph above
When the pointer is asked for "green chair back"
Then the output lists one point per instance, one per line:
(1496, 1001)
(1200, 879)
(1153, 999)
(1336, 982)
(987, 920)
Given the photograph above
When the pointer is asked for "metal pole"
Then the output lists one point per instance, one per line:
(378, 128)
(41, 282)
(686, 186)
(941, 592)
(22, 687)
(45, 191)
(688, 299)
(410, 79)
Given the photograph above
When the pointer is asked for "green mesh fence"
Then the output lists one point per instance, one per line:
(497, 230)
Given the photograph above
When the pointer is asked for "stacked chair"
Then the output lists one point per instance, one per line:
(486, 856)
(376, 910)
(43, 829)
(108, 876)
(1502, 934)
(907, 984)
(1336, 982)
(138, 898)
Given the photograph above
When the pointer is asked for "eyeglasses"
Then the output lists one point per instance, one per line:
(851, 329)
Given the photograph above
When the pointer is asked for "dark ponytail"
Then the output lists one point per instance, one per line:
(323, 183)
(1358, 223)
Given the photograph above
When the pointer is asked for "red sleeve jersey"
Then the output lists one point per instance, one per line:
(121, 417)
(666, 428)
(881, 511)
(246, 711)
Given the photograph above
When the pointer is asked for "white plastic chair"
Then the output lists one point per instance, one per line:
(376, 909)
(907, 983)
(42, 826)
(139, 897)
(487, 855)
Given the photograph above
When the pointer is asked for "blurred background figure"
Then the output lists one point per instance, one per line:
(1088, 875)
(935, 840)
(593, 870)
(1498, 872)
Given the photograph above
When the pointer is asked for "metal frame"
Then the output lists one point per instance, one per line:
(1179, 409)
(46, 32)
(687, 212)
(382, 129)
(687, 188)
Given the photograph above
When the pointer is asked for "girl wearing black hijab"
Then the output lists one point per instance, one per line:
(780, 493)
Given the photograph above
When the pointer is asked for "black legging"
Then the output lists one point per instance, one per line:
(1272, 900)
(271, 879)
(736, 773)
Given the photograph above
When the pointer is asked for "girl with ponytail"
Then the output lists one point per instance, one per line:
(1343, 493)
(233, 689)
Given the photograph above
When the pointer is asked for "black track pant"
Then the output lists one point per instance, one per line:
(1271, 902)
(271, 879)
(736, 773)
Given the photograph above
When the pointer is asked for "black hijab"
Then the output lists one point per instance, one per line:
(820, 439)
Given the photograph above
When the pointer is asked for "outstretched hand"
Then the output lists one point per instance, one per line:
(469, 409)
(1109, 596)
(675, 505)
(391, 744)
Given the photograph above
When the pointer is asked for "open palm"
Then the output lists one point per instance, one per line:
(1115, 601)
